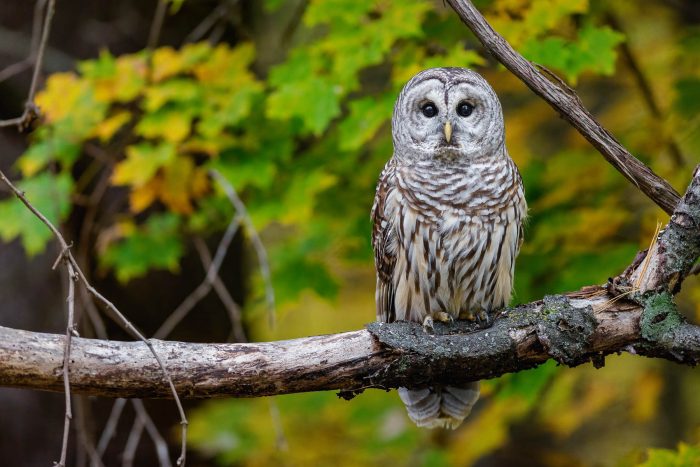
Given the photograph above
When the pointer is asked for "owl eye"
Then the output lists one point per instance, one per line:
(429, 109)
(464, 109)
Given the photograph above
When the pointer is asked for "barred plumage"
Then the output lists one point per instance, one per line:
(447, 217)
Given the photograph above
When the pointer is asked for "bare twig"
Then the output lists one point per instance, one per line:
(158, 441)
(280, 438)
(110, 426)
(30, 109)
(66, 360)
(232, 308)
(569, 107)
(203, 289)
(93, 315)
(132, 443)
(86, 441)
(157, 25)
(263, 262)
(208, 22)
(115, 313)
(19, 67)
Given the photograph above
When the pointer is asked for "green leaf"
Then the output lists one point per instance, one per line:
(142, 162)
(593, 51)
(48, 193)
(41, 153)
(155, 245)
(314, 101)
(688, 97)
(685, 456)
(349, 12)
(170, 124)
(366, 116)
(180, 90)
(272, 5)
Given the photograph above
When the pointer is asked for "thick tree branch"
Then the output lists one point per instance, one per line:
(635, 313)
(571, 330)
(567, 103)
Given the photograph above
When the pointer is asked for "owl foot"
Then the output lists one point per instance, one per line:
(428, 325)
(484, 319)
(469, 315)
(443, 317)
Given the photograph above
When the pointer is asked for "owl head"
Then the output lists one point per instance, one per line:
(447, 113)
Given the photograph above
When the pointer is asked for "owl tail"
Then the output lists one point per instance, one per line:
(440, 407)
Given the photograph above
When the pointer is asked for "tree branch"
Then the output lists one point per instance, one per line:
(634, 313)
(565, 101)
(569, 329)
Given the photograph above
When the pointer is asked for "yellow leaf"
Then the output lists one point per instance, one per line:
(106, 129)
(141, 163)
(175, 190)
(199, 183)
(143, 196)
(166, 63)
(173, 126)
(63, 90)
(227, 67)
(127, 82)
(209, 146)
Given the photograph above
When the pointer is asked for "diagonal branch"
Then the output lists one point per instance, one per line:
(74, 270)
(567, 103)
(30, 109)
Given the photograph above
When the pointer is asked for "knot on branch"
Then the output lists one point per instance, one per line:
(565, 331)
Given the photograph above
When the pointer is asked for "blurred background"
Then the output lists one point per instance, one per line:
(291, 102)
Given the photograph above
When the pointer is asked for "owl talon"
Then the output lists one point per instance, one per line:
(468, 315)
(428, 325)
(484, 319)
(443, 317)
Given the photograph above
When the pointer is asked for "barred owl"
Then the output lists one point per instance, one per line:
(448, 216)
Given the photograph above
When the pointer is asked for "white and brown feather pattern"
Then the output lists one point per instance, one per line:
(445, 249)
(448, 217)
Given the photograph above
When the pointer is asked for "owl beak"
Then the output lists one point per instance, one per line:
(448, 131)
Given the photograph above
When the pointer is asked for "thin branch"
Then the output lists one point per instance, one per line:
(263, 262)
(208, 22)
(205, 287)
(157, 25)
(30, 109)
(115, 313)
(111, 426)
(569, 106)
(232, 308)
(84, 439)
(132, 443)
(66, 360)
(158, 441)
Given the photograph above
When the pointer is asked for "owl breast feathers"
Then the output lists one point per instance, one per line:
(448, 212)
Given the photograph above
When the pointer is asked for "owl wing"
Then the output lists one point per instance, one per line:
(384, 245)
